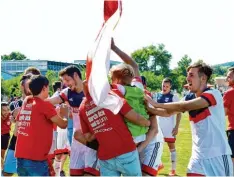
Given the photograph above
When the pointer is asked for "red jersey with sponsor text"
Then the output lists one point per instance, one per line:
(35, 129)
(110, 130)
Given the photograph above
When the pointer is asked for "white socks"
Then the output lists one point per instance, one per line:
(57, 167)
(173, 159)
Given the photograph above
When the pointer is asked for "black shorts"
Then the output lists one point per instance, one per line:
(230, 135)
(5, 141)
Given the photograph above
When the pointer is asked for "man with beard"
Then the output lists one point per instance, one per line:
(228, 100)
(210, 149)
(73, 95)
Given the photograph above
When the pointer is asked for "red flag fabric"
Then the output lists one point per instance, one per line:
(98, 60)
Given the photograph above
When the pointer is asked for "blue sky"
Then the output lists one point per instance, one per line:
(64, 30)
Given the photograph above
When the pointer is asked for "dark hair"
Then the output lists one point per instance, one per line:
(32, 70)
(56, 85)
(24, 78)
(143, 79)
(231, 69)
(167, 80)
(36, 84)
(70, 70)
(202, 69)
(4, 104)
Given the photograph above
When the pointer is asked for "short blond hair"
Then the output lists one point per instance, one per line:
(121, 71)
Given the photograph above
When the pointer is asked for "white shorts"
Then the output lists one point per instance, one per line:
(217, 166)
(63, 145)
(167, 125)
(53, 145)
(92, 163)
(83, 159)
(150, 157)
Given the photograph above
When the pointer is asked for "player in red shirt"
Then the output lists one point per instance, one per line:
(5, 128)
(228, 100)
(116, 146)
(34, 125)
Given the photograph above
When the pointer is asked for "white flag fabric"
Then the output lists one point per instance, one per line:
(98, 60)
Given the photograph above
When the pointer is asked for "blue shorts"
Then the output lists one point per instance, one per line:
(126, 164)
(70, 130)
(10, 162)
(27, 167)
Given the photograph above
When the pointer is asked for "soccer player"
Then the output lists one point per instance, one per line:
(210, 149)
(82, 159)
(127, 79)
(169, 126)
(30, 151)
(117, 152)
(5, 129)
(228, 100)
(62, 146)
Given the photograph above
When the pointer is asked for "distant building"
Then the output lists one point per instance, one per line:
(15, 67)
(221, 83)
(6, 75)
(83, 62)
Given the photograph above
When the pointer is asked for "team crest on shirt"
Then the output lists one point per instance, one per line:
(70, 99)
(166, 99)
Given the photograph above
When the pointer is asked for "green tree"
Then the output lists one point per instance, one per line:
(13, 56)
(153, 58)
(220, 70)
(11, 87)
(153, 81)
(199, 61)
(52, 76)
(183, 64)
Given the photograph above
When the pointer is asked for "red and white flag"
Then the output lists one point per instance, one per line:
(98, 60)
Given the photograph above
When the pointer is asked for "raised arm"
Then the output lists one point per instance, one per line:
(126, 58)
(177, 107)
(183, 106)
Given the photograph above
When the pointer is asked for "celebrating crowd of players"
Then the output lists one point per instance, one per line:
(129, 143)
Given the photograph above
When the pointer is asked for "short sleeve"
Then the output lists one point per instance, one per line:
(64, 94)
(138, 83)
(125, 108)
(50, 111)
(209, 97)
(121, 89)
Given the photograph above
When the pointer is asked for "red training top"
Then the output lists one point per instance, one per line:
(35, 129)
